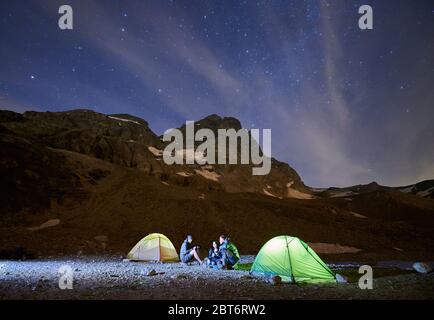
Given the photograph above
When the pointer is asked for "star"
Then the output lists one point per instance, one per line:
(32, 77)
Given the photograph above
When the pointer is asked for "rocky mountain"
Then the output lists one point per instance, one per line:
(128, 141)
(84, 182)
(282, 181)
(424, 189)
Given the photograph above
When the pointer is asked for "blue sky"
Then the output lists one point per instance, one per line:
(345, 106)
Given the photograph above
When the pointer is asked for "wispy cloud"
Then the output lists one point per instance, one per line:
(297, 84)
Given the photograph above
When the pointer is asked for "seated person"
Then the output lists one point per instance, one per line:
(229, 253)
(214, 255)
(189, 252)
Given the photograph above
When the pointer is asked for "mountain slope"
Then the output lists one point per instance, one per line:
(81, 181)
(128, 141)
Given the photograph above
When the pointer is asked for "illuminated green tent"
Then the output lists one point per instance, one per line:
(293, 260)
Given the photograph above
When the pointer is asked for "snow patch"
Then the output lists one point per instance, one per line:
(208, 174)
(156, 152)
(197, 155)
(407, 190)
(318, 189)
(358, 215)
(425, 193)
(183, 174)
(47, 224)
(266, 192)
(340, 194)
(294, 193)
(125, 120)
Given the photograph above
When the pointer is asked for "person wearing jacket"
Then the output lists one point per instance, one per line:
(229, 253)
(214, 255)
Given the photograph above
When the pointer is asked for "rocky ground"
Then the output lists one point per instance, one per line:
(110, 278)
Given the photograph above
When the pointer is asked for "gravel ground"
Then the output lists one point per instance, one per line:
(110, 278)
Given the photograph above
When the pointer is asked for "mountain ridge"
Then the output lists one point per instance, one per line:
(99, 174)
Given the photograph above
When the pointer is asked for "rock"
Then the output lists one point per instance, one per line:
(179, 276)
(341, 278)
(422, 267)
(151, 273)
(275, 280)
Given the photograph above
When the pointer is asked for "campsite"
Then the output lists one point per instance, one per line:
(99, 196)
(152, 270)
(243, 152)
(110, 278)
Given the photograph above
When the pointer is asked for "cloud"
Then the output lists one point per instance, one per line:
(312, 123)
(318, 126)
(170, 48)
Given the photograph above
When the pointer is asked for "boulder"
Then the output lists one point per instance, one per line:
(341, 279)
(275, 280)
(422, 267)
(151, 273)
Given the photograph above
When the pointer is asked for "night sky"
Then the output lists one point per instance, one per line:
(345, 106)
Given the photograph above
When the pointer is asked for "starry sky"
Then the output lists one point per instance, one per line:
(345, 106)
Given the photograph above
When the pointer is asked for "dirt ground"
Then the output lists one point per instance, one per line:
(110, 278)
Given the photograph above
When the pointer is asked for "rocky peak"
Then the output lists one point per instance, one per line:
(215, 122)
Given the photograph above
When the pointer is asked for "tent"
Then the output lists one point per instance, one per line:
(154, 247)
(293, 260)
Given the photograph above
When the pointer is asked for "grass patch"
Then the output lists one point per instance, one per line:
(243, 266)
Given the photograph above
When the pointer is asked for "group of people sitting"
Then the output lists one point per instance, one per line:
(222, 256)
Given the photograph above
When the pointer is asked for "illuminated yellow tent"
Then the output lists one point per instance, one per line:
(154, 247)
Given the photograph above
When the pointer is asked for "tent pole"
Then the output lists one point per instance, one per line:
(289, 257)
